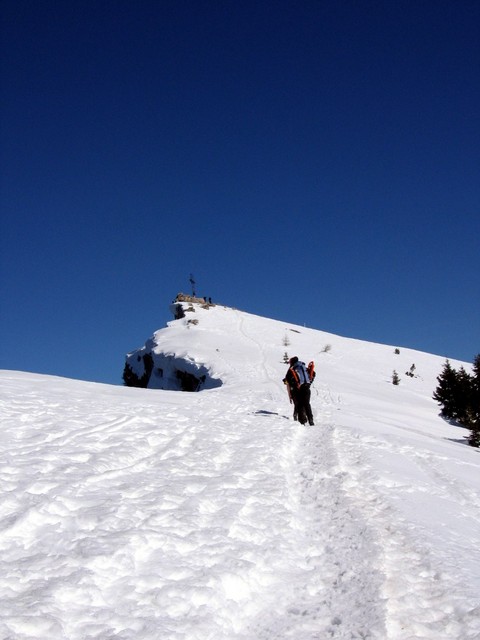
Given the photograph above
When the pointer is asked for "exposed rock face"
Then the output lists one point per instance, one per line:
(161, 371)
(183, 297)
(132, 379)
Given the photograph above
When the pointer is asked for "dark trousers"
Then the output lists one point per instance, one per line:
(301, 400)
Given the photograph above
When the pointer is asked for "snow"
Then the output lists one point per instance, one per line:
(146, 514)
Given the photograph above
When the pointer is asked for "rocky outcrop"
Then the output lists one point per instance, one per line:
(183, 297)
(179, 308)
(149, 368)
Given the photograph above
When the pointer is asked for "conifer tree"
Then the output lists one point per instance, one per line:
(474, 416)
(445, 393)
(463, 396)
(459, 394)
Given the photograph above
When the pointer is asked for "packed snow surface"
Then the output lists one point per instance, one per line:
(144, 514)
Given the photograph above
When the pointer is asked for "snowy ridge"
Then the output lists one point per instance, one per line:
(141, 514)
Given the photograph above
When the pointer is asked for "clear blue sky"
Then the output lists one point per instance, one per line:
(316, 162)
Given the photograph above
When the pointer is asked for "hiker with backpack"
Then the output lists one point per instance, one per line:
(298, 381)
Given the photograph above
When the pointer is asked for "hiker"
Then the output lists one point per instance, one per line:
(298, 382)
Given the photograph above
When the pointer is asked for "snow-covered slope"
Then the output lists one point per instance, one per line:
(136, 513)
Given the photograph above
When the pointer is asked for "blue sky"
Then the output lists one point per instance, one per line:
(316, 162)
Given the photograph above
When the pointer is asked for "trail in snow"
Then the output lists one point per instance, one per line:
(339, 592)
(135, 514)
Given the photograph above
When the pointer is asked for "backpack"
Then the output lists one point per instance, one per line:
(300, 374)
